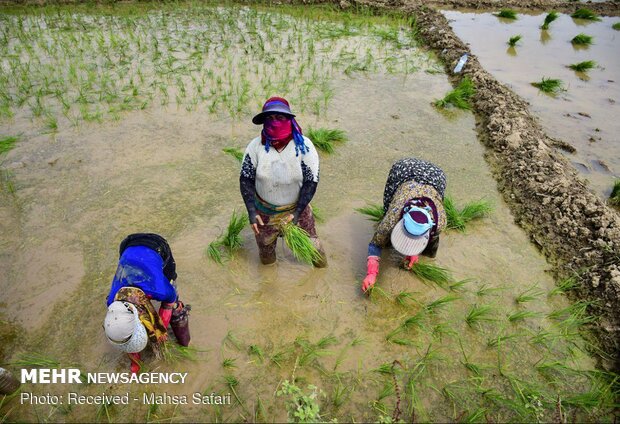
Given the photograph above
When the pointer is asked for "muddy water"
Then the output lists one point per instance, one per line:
(585, 114)
(80, 191)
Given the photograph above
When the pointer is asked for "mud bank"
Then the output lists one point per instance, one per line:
(578, 233)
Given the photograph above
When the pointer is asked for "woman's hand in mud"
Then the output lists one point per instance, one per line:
(259, 221)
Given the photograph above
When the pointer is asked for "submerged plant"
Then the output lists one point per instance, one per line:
(234, 152)
(459, 97)
(458, 219)
(507, 14)
(514, 40)
(7, 143)
(583, 66)
(325, 139)
(582, 39)
(586, 14)
(298, 240)
(549, 85)
(551, 16)
(614, 196)
(430, 273)
(372, 211)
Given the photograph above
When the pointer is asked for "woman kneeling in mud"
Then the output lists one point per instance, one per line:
(146, 271)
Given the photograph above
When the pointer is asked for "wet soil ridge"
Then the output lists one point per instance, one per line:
(575, 229)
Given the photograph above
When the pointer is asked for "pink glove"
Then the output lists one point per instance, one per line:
(371, 273)
(135, 362)
(410, 261)
(165, 313)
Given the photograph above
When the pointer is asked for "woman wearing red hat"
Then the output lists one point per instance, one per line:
(279, 176)
(414, 214)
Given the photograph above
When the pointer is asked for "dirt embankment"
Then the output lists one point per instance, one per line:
(578, 233)
(603, 8)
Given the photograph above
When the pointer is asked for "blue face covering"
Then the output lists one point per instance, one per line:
(418, 220)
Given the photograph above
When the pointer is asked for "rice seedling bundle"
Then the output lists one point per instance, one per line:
(430, 273)
(583, 66)
(374, 212)
(514, 40)
(234, 152)
(459, 97)
(586, 14)
(7, 143)
(298, 240)
(325, 139)
(549, 85)
(507, 14)
(582, 39)
(458, 219)
(551, 16)
(230, 240)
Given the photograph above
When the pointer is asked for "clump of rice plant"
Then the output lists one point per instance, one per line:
(582, 39)
(584, 66)
(616, 26)
(257, 351)
(298, 240)
(7, 143)
(500, 339)
(230, 241)
(441, 302)
(174, 352)
(374, 212)
(403, 298)
(566, 285)
(507, 14)
(325, 139)
(430, 273)
(234, 152)
(478, 314)
(586, 14)
(614, 196)
(33, 360)
(459, 97)
(551, 16)
(530, 294)
(458, 219)
(549, 85)
(522, 315)
(514, 40)
(229, 363)
(231, 340)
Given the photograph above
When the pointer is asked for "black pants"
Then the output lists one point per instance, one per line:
(158, 244)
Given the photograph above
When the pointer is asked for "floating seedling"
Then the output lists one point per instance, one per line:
(298, 240)
(459, 97)
(234, 152)
(614, 196)
(430, 273)
(530, 294)
(479, 314)
(514, 40)
(7, 143)
(374, 212)
(458, 219)
(551, 16)
(326, 139)
(507, 14)
(586, 14)
(549, 85)
(583, 66)
(582, 40)
(230, 241)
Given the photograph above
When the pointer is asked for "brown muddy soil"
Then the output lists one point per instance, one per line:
(574, 228)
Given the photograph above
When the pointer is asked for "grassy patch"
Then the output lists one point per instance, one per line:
(298, 240)
(458, 219)
(372, 211)
(586, 14)
(614, 197)
(459, 97)
(583, 66)
(549, 85)
(582, 39)
(551, 16)
(234, 152)
(512, 41)
(326, 139)
(507, 14)
(7, 143)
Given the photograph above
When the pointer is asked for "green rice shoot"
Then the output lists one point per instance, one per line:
(325, 139)
(522, 315)
(512, 41)
(586, 14)
(35, 360)
(584, 66)
(479, 314)
(318, 214)
(459, 97)
(530, 294)
(436, 304)
(374, 212)
(234, 152)
(507, 14)
(298, 240)
(7, 143)
(549, 85)
(230, 241)
(616, 26)
(430, 273)
(173, 352)
(551, 16)
(614, 196)
(582, 39)
(458, 219)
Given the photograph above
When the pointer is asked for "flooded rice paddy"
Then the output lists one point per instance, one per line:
(500, 342)
(583, 114)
